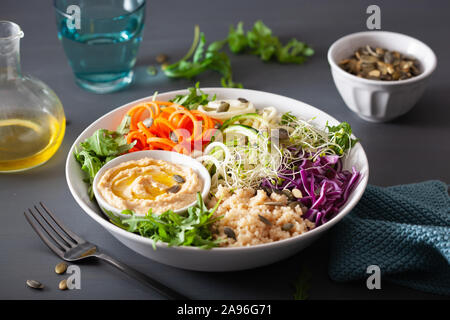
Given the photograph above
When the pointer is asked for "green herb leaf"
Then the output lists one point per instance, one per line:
(237, 41)
(106, 143)
(203, 60)
(124, 126)
(192, 229)
(101, 147)
(260, 41)
(194, 98)
(342, 136)
(287, 118)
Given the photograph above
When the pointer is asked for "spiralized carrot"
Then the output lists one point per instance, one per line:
(172, 127)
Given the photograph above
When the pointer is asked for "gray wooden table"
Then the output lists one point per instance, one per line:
(413, 148)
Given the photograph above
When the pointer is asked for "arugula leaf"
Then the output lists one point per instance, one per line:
(101, 147)
(191, 229)
(89, 164)
(124, 126)
(194, 98)
(105, 143)
(342, 136)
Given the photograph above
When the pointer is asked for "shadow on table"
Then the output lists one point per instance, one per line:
(429, 111)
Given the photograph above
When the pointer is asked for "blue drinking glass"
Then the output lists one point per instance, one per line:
(101, 39)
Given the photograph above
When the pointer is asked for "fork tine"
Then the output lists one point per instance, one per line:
(41, 235)
(48, 231)
(62, 226)
(68, 241)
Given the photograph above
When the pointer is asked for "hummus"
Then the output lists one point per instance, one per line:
(140, 185)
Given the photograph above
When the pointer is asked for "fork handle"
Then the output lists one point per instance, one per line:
(152, 283)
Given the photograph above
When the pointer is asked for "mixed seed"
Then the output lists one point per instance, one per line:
(35, 284)
(380, 64)
(229, 232)
(61, 268)
(63, 285)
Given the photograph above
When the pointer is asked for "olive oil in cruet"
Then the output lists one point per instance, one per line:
(32, 121)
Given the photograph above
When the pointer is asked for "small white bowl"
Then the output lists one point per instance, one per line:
(168, 156)
(377, 100)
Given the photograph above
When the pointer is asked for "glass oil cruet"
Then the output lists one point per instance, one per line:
(32, 121)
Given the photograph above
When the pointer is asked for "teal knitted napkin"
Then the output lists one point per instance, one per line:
(405, 230)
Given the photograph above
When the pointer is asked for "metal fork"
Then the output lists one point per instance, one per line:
(70, 247)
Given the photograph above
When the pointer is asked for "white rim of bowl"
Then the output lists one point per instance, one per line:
(350, 76)
(101, 219)
(118, 160)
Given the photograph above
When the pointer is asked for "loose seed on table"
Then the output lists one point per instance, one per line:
(63, 285)
(161, 58)
(35, 284)
(61, 268)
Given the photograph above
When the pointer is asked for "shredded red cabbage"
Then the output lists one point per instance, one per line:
(323, 183)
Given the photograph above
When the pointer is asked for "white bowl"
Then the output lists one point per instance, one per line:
(216, 259)
(168, 156)
(377, 100)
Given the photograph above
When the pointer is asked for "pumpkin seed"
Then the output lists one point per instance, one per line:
(178, 178)
(388, 57)
(63, 285)
(264, 220)
(161, 58)
(288, 194)
(174, 189)
(275, 203)
(35, 284)
(229, 232)
(380, 64)
(281, 134)
(287, 226)
(148, 122)
(293, 204)
(223, 107)
(267, 190)
(173, 137)
(61, 268)
(375, 73)
(243, 100)
(297, 193)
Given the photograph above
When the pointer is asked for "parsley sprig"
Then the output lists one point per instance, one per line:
(258, 41)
